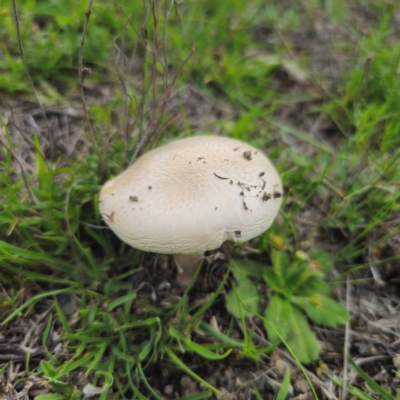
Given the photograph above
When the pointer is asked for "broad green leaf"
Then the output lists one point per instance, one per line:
(245, 269)
(297, 275)
(246, 294)
(280, 262)
(277, 315)
(313, 285)
(322, 310)
(301, 339)
(273, 279)
(283, 321)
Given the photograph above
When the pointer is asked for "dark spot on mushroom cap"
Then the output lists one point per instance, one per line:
(262, 174)
(238, 233)
(112, 194)
(241, 193)
(247, 155)
(266, 196)
(150, 187)
(277, 195)
(110, 217)
(133, 198)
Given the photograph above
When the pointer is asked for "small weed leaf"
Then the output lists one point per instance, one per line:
(246, 294)
(301, 339)
(274, 281)
(280, 262)
(244, 270)
(320, 258)
(298, 293)
(278, 316)
(322, 310)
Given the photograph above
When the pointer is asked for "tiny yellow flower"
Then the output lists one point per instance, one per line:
(316, 300)
(278, 243)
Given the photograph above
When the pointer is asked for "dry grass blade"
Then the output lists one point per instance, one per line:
(21, 49)
(81, 76)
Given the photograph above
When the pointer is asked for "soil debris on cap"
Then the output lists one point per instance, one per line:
(220, 177)
(261, 174)
(245, 206)
(276, 194)
(266, 196)
(247, 155)
(109, 217)
(133, 198)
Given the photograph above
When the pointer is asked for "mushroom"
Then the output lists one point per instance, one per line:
(203, 193)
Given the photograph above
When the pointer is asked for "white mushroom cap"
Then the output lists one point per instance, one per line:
(191, 195)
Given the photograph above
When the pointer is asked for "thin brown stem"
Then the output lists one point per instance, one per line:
(21, 49)
(81, 80)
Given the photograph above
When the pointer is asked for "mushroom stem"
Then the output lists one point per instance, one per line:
(187, 265)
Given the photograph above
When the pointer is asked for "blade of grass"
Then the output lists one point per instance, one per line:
(187, 370)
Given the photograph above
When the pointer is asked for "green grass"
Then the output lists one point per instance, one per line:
(236, 53)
